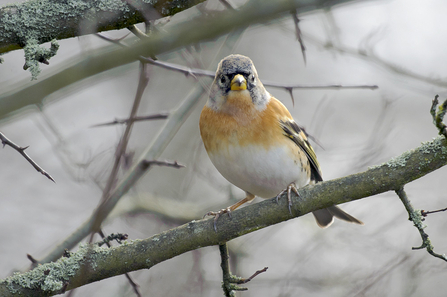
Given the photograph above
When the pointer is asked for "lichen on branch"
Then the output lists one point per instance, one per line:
(35, 54)
(31, 23)
(45, 20)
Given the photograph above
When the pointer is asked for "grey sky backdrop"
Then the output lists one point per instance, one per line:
(356, 128)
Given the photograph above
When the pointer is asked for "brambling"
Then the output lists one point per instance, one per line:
(253, 141)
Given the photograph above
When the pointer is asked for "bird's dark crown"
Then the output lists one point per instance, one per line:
(236, 64)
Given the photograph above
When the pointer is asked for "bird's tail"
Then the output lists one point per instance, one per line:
(325, 217)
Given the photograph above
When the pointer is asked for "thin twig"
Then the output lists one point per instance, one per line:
(229, 280)
(377, 276)
(159, 116)
(113, 40)
(246, 280)
(174, 164)
(299, 35)
(153, 151)
(32, 259)
(121, 149)
(118, 237)
(228, 285)
(290, 90)
(416, 218)
(370, 56)
(188, 71)
(137, 32)
(200, 72)
(134, 285)
(21, 150)
(319, 87)
(426, 213)
(438, 115)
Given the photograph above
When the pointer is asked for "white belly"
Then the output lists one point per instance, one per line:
(264, 173)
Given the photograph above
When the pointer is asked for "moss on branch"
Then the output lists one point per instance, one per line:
(45, 20)
(31, 23)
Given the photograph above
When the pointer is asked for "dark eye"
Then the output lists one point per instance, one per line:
(223, 80)
(251, 78)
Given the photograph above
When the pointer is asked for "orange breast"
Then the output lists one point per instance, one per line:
(249, 148)
(238, 122)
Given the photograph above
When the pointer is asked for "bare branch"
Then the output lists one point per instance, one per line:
(137, 32)
(32, 259)
(21, 150)
(113, 40)
(416, 218)
(228, 285)
(298, 33)
(159, 116)
(100, 213)
(425, 213)
(382, 273)
(288, 87)
(372, 57)
(258, 272)
(230, 280)
(336, 87)
(290, 90)
(153, 151)
(174, 164)
(179, 35)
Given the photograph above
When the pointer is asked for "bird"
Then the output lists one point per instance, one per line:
(254, 142)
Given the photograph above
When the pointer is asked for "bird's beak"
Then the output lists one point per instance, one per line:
(238, 83)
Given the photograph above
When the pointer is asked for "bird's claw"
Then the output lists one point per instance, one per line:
(217, 214)
(289, 189)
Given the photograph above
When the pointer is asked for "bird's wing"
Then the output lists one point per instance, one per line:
(299, 136)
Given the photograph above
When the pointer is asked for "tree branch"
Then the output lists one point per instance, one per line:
(159, 116)
(20, 22)
(143, 254)
(100, 215)
(176, 119)
(416, 217)
(230, 282)
(185, 33)
(21, 150)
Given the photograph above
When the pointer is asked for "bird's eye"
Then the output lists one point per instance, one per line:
(223, 80)
(251, 78)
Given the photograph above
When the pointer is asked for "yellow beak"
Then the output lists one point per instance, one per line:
(238, 83)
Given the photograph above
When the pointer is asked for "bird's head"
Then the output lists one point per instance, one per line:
(237, 80)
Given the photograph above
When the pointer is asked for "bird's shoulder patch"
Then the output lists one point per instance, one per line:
(295, 133)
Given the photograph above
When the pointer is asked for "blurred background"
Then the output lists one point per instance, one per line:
(398, 45)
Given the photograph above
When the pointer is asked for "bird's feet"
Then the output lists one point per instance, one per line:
(217, 214)
(289, 189)
(229, 209)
